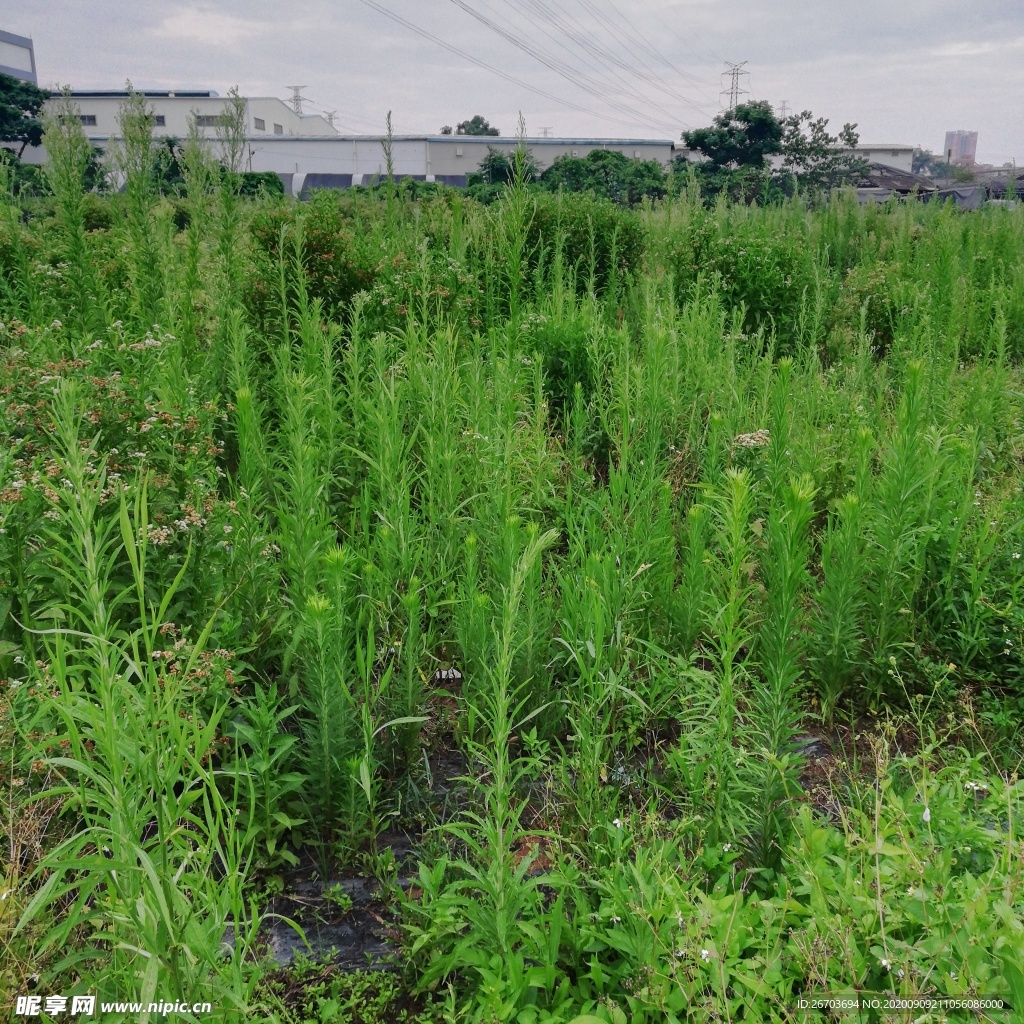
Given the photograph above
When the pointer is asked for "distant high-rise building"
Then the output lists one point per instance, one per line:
(17, 58)
(961, 148)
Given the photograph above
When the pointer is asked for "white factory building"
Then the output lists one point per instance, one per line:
(444, 158)
(264, 115)
(307, 151)
(298, 145)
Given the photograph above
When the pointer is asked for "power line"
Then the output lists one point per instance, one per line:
(587, 42)
(628, 35)
(348, 118)
(631, 28)
(579, 79)
(381, 9)
(581, 43)
(702, 55)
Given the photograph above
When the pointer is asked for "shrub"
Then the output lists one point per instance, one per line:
(97, 213)
(599, 239)
(334, 255)
(609, 175)
(564, 347)
(252, 183)
(765, 275)
(865, 303)
(428, 285)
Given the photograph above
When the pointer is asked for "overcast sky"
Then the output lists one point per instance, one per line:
(906, 72)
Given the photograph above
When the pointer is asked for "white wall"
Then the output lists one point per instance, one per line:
(461, 154)
(901, 158)
(423, 155)
(335, 155)
(175, 111)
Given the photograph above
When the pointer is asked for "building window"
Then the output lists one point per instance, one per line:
(458, 151)
(209, 120)
(88, 119)
(895, 152)
(261, 125)
(279, 129)
(160, 120)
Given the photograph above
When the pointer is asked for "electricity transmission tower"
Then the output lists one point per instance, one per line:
(783, 110)
(545, 132)
(297, 98)
(330, 115)
(734, 92)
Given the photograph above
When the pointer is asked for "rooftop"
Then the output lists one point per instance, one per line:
(883, 145)
(489, 139)
(124, 93)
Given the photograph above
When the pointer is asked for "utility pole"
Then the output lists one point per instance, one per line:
(734, 92)
(297, 98)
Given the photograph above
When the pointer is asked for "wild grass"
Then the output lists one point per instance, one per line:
(678, 495)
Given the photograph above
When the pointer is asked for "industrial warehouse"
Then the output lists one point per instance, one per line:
(306, 151)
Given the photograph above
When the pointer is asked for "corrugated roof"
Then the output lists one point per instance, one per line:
(882, 176)
(997, 189)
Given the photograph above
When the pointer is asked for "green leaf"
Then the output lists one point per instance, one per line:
(1015, 977)
(410, 720)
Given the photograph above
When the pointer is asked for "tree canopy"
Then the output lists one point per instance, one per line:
(743, 137)
(476, 125)
(738, 143)
(21, 105)
(609, 174)
(816, 159)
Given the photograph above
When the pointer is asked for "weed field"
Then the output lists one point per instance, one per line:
(585, 613)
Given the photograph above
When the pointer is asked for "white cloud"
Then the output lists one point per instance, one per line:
(978, 49)
(207, 27)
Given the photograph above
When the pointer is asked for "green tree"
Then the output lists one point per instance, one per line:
(737, 146)
(167, 170)
(743, 137)
(497, 169)
(21, 179)
(960, 174)
(926, 163)
(813, 158)
(476, 125)
(608, 174)
(21, 105)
